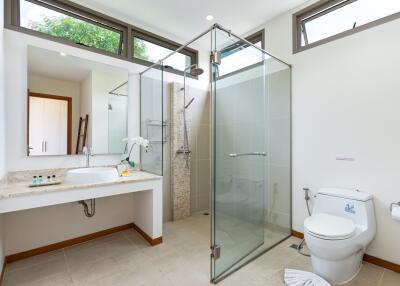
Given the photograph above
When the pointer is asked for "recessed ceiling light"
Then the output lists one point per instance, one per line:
(63, 54)
(210, 18)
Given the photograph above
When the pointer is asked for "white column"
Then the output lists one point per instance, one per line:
(148, 210)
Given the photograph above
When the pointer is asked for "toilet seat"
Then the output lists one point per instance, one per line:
(329, 227)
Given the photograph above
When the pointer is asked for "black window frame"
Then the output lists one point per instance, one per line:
(253, 38)
(162, 42)
(324, 7)
(12, 22)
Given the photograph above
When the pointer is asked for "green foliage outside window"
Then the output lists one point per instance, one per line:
(85, 33)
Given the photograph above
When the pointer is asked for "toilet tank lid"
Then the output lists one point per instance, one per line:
(346, 194)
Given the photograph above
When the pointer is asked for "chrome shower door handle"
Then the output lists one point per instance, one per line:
(234, 155)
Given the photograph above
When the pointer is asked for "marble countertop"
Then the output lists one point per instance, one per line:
(18, 189)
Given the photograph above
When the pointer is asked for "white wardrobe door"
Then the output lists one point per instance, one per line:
(36, 124)
(56, 127)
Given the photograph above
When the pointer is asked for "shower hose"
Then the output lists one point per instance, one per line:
(303, 242)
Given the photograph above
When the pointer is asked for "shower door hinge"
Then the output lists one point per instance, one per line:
(215, 252)
(215, 58)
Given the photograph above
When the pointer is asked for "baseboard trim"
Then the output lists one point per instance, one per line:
(152, 241)
(368, 258)
(381, 262)
(65, 243)
(77, 240)
(297, 234)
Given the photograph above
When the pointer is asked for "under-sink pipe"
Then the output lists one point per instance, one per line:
(92, 211)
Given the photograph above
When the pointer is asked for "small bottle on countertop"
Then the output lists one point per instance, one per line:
(53, 178)
(34, 180)
(48, 179)
(40, 180)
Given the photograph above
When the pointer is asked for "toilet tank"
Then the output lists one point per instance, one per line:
(355, 205)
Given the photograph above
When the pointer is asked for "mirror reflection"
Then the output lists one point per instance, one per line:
(73, 103)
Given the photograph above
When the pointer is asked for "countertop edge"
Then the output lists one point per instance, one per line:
(67, 187)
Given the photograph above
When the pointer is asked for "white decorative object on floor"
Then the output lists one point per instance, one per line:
(337, 233)
(295, 277)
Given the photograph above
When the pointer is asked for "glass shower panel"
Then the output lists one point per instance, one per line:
(117, 123)
(239, 153)
(278, 218)
(152, 126)
(251, 207)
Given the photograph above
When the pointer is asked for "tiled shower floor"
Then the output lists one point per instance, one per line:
(125, 258)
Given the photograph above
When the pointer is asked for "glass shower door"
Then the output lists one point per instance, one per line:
(152, 124)
(239, 151)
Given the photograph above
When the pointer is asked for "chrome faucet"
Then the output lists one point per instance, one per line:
(88, 152)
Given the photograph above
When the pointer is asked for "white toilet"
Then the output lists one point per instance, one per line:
(337, 233)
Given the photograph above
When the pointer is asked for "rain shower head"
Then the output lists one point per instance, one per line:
(196, 71)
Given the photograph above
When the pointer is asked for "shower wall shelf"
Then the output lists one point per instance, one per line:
(156, 123)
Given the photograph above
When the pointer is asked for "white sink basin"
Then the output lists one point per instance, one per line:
(91, 175)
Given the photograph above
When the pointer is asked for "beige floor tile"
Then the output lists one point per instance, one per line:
(159, 282)
(360, 281)
(300, 263)
(62, 279)
(275, 279)
(84, 273)
(108, 280)
(390, 278)
(37, 272)
(140, 276)
(185, 276)
(35, 260)
(135, 237)
(371, 273)
(129, 276)
(126, 259)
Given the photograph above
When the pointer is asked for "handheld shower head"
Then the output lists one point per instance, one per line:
(189, 103)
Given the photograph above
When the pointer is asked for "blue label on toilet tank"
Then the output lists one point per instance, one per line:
(350, 208)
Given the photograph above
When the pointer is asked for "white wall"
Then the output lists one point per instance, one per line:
(46, 85)
(346, 103)
(33, 228)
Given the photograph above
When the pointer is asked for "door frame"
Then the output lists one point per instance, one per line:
(69, 116)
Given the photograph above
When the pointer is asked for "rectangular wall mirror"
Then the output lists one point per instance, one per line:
(74, 102)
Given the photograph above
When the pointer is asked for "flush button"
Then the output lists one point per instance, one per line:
(349, 208)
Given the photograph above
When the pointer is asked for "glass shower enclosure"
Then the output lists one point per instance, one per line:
(251, 153)
(250, 144)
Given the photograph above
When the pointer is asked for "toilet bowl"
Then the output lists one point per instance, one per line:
(337, 233)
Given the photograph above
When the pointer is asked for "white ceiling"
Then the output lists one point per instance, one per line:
(186, 18)
(67, 68)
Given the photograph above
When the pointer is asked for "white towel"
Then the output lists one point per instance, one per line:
(295, 277)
